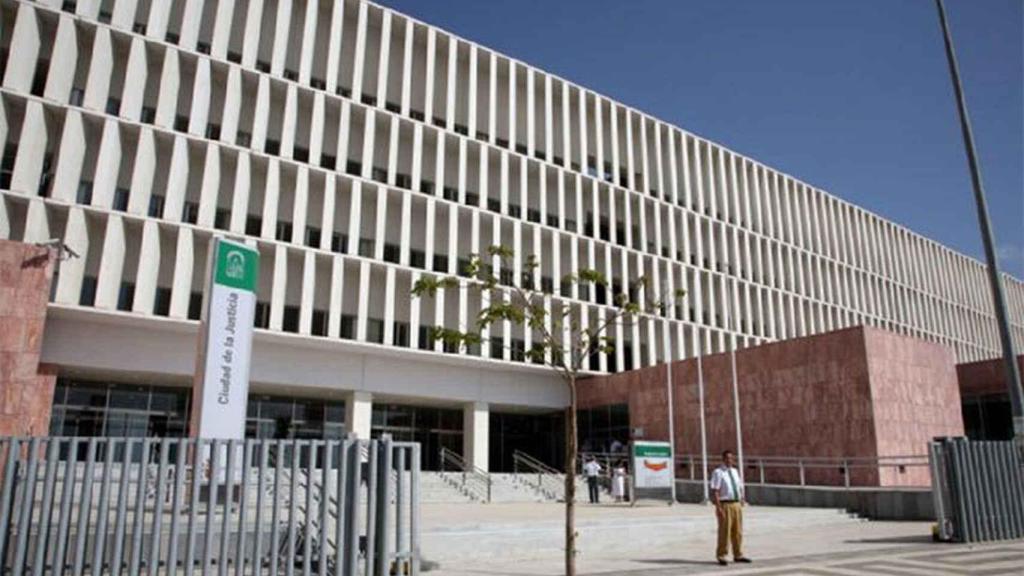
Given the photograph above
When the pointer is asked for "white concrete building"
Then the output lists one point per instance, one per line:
(360, 149)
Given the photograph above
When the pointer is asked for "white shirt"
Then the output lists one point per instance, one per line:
(592, 468)
(727, 481)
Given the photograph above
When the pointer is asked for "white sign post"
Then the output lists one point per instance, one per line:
(652, 467)
(221, 386)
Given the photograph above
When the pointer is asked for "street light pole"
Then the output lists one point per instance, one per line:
(995, 281)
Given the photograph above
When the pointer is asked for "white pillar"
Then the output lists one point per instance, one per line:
(476, 420)
(358, 413)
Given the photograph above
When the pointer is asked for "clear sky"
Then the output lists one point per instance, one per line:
(851, 97)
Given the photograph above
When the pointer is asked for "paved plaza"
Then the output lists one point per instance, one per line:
(658, 540)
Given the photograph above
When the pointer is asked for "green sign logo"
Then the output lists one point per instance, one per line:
(237, 266)
(652, 451)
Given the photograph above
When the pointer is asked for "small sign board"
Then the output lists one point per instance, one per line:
(222, 368)
(652, 465)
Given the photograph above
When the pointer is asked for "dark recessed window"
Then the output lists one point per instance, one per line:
(148, 115)
(84, 194)
(253, 225)
(156, 206)
(121, 199)
(203, 47)
(317, 83)
(235, 57)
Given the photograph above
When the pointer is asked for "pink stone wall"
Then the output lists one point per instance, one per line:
(809, 397)
(985, 377)
(915, 396)
(26, 387)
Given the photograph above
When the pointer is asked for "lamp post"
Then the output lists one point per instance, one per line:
(995, 282)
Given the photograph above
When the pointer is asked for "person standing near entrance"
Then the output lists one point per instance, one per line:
(592, 470)
(727, 494)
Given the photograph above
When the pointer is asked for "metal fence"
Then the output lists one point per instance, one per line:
(810, 470)
(978, 489)
(134, 506)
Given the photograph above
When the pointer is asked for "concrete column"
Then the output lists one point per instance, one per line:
(327, 217)
(21, 63)
(359, 414)
(210, 187)
(124, 14)
(301, 206)
(135, 80)
(251, 45)
(473, 72)
(177, 180)
(337, 290)
(222, 28)
(308, 285)
(97, 85)
(108, 285)
(240, 198)
(37, 226)
(200, 109)
(334, 48)
(232, 105)
(156, 26)
(28, 165)
(76, 236)
(278, 287)
(453, 67)
(167, 102)
(289, 122)
(261, 114)
(316, 129)
(108, 163)
(190, 21)
(476, 426)
(270, 200)
(360, 54)
(363, 297)
(63, 60)
(148, 269)
(181, 285)
(383, 59)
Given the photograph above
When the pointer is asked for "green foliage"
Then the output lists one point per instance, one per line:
(526, 308)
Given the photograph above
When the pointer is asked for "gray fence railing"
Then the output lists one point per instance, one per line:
(179, 506)
(978, 489)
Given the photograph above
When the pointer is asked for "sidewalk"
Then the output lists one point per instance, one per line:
(659, 540)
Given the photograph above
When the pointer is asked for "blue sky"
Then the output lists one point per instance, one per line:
(851, 97)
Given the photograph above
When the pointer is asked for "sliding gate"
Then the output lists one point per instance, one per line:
(978, 489)
(152, 506)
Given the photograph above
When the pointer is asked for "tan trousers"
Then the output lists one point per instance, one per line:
(730, 529)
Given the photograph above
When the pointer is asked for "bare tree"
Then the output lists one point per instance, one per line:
(562, 340)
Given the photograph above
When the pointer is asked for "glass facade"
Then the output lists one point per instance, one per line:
(95, 408)
(598, 427)
(432, 427)
(299, 418)
(988, 417)
(87, 408)
(541, 436)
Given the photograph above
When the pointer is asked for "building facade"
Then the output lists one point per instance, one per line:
(359, 150)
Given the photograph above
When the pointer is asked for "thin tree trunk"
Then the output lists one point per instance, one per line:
(570, 481)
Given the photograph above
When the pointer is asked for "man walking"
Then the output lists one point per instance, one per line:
(727, 494)
(592, 470)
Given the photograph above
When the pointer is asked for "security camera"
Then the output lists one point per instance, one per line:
(63, 250)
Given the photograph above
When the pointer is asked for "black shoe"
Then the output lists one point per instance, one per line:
(743, 560)
(722, 562)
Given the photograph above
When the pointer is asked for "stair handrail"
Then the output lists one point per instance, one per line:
(524, 464)
(474, 479)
